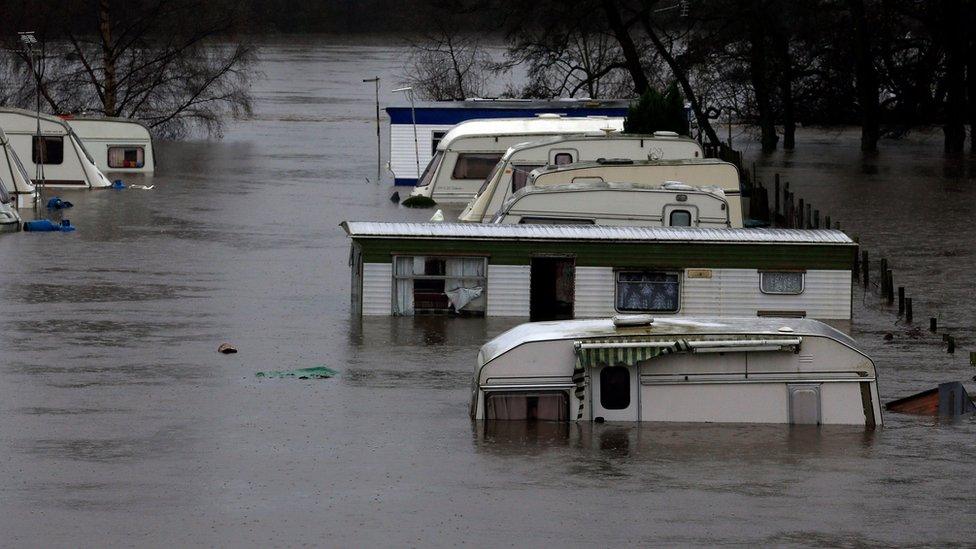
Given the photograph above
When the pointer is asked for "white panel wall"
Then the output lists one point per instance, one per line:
(594, 292)
(378, 289)
(735, 292)
(508, 290)
(402, 156)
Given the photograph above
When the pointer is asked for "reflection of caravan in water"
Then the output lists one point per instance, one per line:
(635, 368)
(513, 170)
(670, 205)
(706, 172)
(62, 157)
(466, 155)
(14, 176)
(116, 144)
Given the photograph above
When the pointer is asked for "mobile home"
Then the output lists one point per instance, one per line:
(701, 172)
(432, 121)
(467, 153)
(16, 180)
(519, 161)
(117, 145)
(742, 370)
(551, 272)
(597, 203)
(57, 156)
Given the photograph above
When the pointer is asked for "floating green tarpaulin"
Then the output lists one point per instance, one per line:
(316, 372)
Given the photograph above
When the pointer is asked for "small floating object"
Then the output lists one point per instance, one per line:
(437, 217)
(55, 203)
(118, 184)
(395, 197)
(142, 187)
(315, 372)
(48, 226)
(227, 349)
(419, 202)
(948, 399)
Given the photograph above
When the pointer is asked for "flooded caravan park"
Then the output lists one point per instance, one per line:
(120, 419)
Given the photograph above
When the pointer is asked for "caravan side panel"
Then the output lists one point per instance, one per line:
(377, 289)
(736, 292)
(594, 292)
(508, 290)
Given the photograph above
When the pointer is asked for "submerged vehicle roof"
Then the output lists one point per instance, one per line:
(687, 326)
(487, 231)
(542, 124)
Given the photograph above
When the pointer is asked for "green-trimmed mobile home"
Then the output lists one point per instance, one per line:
(553, 272)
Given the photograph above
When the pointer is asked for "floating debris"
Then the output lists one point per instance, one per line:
(55, 203)
(948, 399)
(395, 197)
(316, 372)
(227, 349)
(118, 184)
(419, 202)
(48, 226)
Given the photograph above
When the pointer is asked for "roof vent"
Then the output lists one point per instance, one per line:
(665, 134)
(632, 320)
(786, 329)
(549, 115)
(614, 161)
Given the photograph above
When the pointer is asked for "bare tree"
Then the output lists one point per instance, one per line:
(174, 64)
(446, 63)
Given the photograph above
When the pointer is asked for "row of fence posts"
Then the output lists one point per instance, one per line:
(795, 213)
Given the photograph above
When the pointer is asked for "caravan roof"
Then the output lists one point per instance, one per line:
(544, 124)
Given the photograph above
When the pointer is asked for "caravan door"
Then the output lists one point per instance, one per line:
(615, 393)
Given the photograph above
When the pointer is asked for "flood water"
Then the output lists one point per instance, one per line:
(120, 424)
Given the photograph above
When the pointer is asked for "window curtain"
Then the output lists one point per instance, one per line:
(116, 157)
(647, 292)
(403, 302)
(463, 284)
(507, 407)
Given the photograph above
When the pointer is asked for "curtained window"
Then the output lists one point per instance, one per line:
(648, 291)
(520, 176)
(474, 165)
(543, 406)
(126, 157)
(785, 282)
(438, 285)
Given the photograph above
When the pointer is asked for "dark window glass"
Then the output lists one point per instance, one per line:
(520, 176)
(647, 291)
(475, 165)
(435, 139)
(428, 174)
(538, 406)
(615, 388)
(48, 150)
(563, 158)
(680, 218)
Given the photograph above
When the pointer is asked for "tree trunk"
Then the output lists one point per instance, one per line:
(971, 84)
(760, 79)
(631, 56)
(785, 73)
(110, 83)
(682, 78)
(867, 78)
(954, 125)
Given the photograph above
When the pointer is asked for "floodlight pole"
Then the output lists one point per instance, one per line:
(379, 153)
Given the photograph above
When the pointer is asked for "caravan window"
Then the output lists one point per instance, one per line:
(435, 140)
(647, 291)
(520, 176)
(439, 285)
(47, 150)
(428, 174)
(126, 157)
(474, 165)
(615, 388)
(781, 282)
(562, 158)
(680, 218)
(538, 405)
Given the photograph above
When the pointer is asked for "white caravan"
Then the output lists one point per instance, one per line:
(702, 172)
(117, 145)
(638, 368)
(13, 175)
(60, 155)
(466, 155)
(9, 218)
(670, 205)
(511, 174)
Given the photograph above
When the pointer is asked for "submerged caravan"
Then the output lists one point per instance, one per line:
(637, 368)
(553, 272)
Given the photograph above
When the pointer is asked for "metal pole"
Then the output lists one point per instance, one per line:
(416, 147)
(379, 151)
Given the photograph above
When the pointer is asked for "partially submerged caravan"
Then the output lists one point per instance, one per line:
(670, 205)
(703, 172)
(513, 171)
(466, 155)
(13, 175)
(637, 368)
(57, 156)
(9, 218)
(117, 145)
(552, 272)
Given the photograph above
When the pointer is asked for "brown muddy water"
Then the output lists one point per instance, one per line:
(121, 425)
